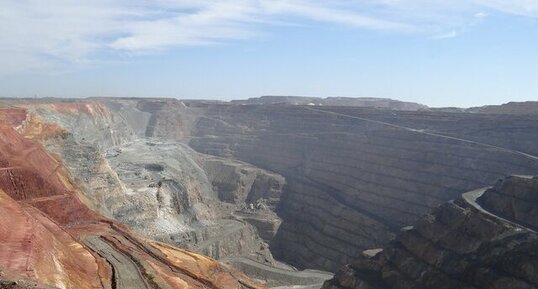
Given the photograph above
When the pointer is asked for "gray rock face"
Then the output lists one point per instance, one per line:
(89, 123)
(316, 185)
(128, 158)
(514, 198)
(239, 183)
(511, 131)
(169, 118)
(455, 246)
(354, 175)
(167, 191)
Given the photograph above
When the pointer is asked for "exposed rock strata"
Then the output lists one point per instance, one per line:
(514, 198)
(169, 118)
(148, 180)
(50, 238)
(515, 132)
(37, 248)
(238, 183)
(455, 246)
(352, 178)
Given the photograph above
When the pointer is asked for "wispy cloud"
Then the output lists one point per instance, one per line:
(518, 7)
(446, 35)
(35, 33)
(462, 27)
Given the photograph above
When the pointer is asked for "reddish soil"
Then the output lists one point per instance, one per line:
(44, 223)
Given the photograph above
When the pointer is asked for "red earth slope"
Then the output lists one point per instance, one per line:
(48, 235)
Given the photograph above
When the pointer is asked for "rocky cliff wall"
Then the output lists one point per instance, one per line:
(51, 237)
(458, 245)
(516, 132)
(352, 176)
(515, 198)
(152, 182)
(352, 181)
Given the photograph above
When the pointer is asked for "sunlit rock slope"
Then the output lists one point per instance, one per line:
(50, 238)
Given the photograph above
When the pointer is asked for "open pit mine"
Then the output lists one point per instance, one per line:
(270, 192)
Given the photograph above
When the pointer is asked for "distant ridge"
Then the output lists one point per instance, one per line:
(527, 107)
(383, 103)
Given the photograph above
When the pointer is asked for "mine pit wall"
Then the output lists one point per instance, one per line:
(375, 177)
(169, 118)
(514, 198)
(82, 148)
(90, 123)
(457, 246)
(239, 183)
(96, 131)
(128, 110)
(504, 130)
(93, 127)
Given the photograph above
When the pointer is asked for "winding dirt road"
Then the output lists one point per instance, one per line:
(126, 274)
(471, 199)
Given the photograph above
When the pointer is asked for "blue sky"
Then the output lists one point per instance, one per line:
(440, 53)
